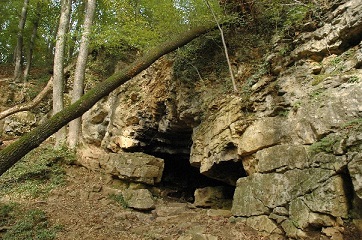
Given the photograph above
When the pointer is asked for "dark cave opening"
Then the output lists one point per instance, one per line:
(355, 203)
(228, 171)
(182, 179)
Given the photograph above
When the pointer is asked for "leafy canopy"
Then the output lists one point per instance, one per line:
(144, 23)
(138, 24)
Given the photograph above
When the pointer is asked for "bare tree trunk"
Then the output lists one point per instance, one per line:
(19, 44)
(58, 75)
(78, 85)
(224, 44)
(15, 151)
(32, 41)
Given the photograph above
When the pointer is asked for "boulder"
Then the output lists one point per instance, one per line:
(19, 123)
(281, 158)
(263, 224)
(95, 121)
(134, 167)
(130, 167)
(258, 193)
(261, 134)
(139, 199)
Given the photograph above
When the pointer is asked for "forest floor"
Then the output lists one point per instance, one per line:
(45, 199)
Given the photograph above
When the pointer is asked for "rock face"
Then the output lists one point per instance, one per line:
(342, 26)
(300, 152)
(292, 150)
(19, 123)
(142, 116)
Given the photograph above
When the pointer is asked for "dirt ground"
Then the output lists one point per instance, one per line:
(84, 211)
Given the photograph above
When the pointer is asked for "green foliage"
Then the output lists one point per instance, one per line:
(37, 173)
(324, 145)
(201, 59)
(355, 124)
(32, 224)
(145, 23)
(353, 79)
(5, 213)
(10, 12)
(283, 14)
(316, 94)
(118, 198)
(297, 104)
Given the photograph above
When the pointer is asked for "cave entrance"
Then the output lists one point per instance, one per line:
(181, 179)
(227, 171)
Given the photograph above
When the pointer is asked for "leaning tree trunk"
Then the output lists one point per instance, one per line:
(19, 44)
(14, 152)
(58, 76)
(78, 85)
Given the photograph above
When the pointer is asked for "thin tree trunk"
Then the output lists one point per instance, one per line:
(78, 85)
(58, 75)
(19, 45)
(51, 43)
(224, 44)
(32, 41)
(15, 151)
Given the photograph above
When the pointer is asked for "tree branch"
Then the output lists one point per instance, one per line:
(29, 105)
(33, 103)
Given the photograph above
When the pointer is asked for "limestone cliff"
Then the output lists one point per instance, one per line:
(292, 147)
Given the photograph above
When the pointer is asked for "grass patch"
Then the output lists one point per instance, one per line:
(353, 79)
(24, 225)
(118, 198)
(318, 79)
(37, 173)
(33, 177)
(324, 145)
(317, 94)
(355, 124)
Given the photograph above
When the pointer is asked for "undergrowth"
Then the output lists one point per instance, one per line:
(118, 198)
(19, 224)
(37, 173)
(324, 145)
(33, 177)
